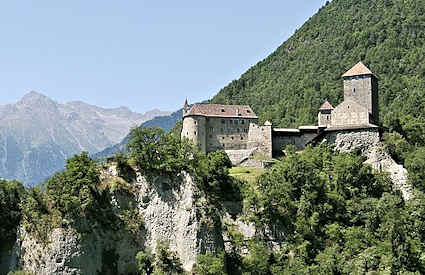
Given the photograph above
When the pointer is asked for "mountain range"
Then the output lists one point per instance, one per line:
(37, 134)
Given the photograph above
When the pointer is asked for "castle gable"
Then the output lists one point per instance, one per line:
(218, 110)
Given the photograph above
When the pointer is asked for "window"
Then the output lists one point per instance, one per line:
(221, 130)
(242, 121)
(222, 137)
(195, 122)
(248, 111)
(236, 122)
(195, 133)
(241, 138)
(231, 121)
(210, 136)
(222, 110)
(238, 130)
(232, 138)
(354, 90)
(223, 121)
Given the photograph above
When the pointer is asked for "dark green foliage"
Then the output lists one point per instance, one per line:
(124, 169)
(11, 194)
(144, 263)
(166, 261)
(74, 191)
(209, 264)
(334, 215)
(415, 164)
(397, 146)
(289, 86)
(212, 172)
(153, 150)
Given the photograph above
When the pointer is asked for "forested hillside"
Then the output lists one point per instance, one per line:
(289, 86)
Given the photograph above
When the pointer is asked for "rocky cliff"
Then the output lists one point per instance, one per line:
(171, 209)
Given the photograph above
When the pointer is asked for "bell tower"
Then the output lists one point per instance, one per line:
(361, 86)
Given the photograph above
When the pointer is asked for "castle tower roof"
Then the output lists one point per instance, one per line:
(358, 69)
(326, 106)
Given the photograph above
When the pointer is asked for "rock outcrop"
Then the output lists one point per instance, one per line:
(368, 141)
(172, 210)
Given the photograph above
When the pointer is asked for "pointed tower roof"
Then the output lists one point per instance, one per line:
(186, 104)
(326, 106)
(358, 69)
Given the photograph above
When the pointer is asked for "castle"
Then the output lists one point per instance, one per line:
(235, 128)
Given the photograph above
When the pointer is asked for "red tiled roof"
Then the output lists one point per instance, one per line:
(326, 106)
(358, 69)
(217, 110)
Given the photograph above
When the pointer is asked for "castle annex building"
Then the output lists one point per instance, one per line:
(235, 127)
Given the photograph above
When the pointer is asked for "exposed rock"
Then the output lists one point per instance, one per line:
(173, 210)
(368, 141)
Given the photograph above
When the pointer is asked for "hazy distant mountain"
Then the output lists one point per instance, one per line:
(164, 122)
(37, 134)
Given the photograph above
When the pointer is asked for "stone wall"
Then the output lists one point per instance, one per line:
(350, 113)
(227, 133)
(261, 137)
(299, 140)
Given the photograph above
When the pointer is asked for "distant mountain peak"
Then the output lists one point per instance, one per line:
(33, 97)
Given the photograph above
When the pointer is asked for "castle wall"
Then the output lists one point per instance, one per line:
(349, 113)
(227, 133)
(261, 137)
(300, 141)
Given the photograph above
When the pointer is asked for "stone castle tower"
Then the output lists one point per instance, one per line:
(361, 86)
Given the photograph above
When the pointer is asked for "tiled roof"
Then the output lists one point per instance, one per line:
(358, 69)
(217, 110)
(326, 106)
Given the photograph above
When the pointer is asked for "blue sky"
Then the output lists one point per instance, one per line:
(139, 54)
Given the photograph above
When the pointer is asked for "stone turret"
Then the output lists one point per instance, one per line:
(325, 114)
(361, 86)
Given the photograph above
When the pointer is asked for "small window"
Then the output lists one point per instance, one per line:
(231, 121)
(241, 138)
(238, 130)
(222, 137)
(242, 121)
(354, 90)
(222, 110)
(327, 117)
(195, 122)
(236, 122)
(348, 107)
(248, 111)
(195, 133)
(210, 136)
(221, 130)
(233, 138)
(223, 121)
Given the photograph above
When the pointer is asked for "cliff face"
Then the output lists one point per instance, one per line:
(171, 210)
